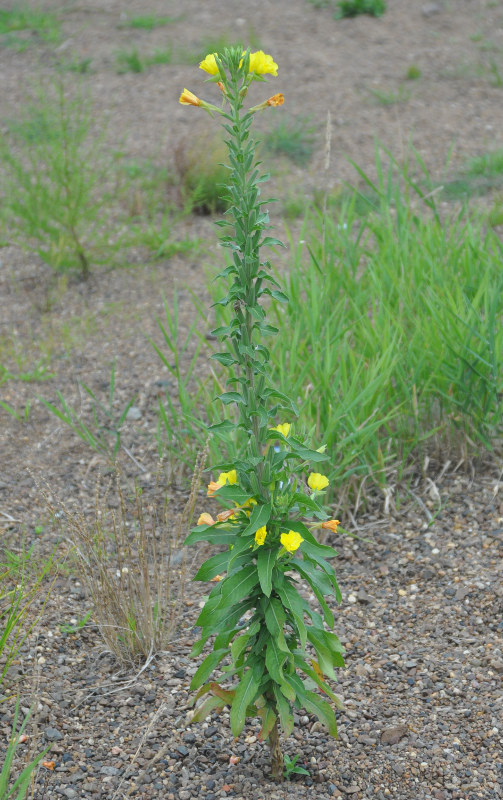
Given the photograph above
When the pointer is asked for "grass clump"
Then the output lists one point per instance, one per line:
(202, 175)
(22, 18)
(413, 73)
(294, 138)
(352, 8)
(479, 176)
(55, 199)
(392, 343)
(134, 564)
(387, 97)
(132, 61)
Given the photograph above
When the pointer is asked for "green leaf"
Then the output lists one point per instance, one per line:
(285, 711)
(307, 670)
(205, 708)
(226, 359)
(322, 709)
(271, 241)
(213, 566)
(266, 560)
(274, 616)
(206, 668)
(238, 645)
(211, 533)
(323, 652)
(292, 600)
(238, 585)
(274, 660)
(222, 427)
(305, 452)
(268, 718)
(230, 397)
(245, 694)
(233, 493)
(259, 517)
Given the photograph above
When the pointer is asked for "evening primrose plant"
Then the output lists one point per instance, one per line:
(273, 651)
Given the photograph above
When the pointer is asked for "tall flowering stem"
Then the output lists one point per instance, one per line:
(256, 615)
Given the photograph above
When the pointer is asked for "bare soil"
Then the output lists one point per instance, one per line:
(423, 600)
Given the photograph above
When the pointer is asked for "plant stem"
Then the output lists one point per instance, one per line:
(276, 754)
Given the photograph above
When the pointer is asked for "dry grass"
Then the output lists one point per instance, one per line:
(134, 564)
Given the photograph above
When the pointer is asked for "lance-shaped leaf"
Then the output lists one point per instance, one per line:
(206, 707)
(326, 658)
(285, 711)
(226, 359)
(274, 616)
(245, 694)
(206, 668)
(210, 533)
(292, 600)
(266, 560)
(259, 517)
(268, 718)
(298, 449)
(321, 709)
(233, 493)
(213, 566)
(230, 397)
(318, 679)
(274, 660)
(238, 585)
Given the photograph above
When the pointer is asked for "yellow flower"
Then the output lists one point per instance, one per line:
(209, 64)
(260, 535)
(189, 99)
(205, 519)
(276, 100)
(331, 524)
(262, 64)
(291, 541)
(317, 482)
(284, 428)
(213, 487)
(228, 477)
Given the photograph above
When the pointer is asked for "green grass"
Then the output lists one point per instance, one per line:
(148, 22)
(388, 97)
(292, 137)
(479, 176)
(352, 8)
(392, 344)
(54, 179)
(413, 73)
(82, 66)
(21, 18)
(132, 61)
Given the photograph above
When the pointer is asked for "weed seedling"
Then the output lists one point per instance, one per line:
(293, 138)
(291, 767)
(352, 8)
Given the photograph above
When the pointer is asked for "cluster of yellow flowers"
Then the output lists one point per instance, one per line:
(260, 64)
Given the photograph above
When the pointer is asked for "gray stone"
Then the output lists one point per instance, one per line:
(110, 771)
(52, 735)
(393, 735)
(134, 413)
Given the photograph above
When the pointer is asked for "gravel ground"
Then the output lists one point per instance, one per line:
(422, 624)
